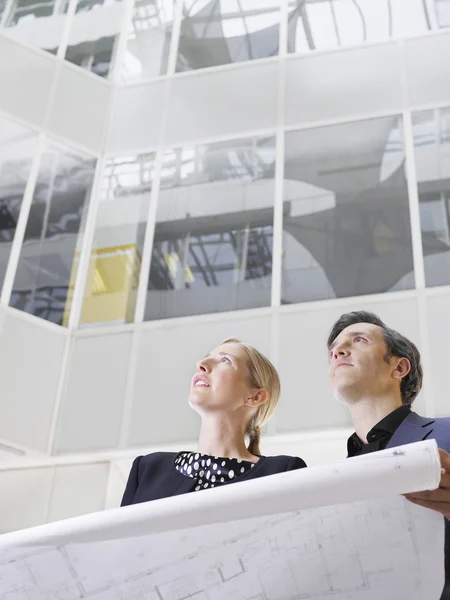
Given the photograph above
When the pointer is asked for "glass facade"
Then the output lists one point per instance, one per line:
(148, 40)
(38, 23)
(432, 155)
(17, 148)
(212, 249)
(187, 224)
(115, 262)
(93, 35)
(220, 32)
(55, 222)
(346, 229)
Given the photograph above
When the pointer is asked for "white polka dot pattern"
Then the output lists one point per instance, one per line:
(204, 469)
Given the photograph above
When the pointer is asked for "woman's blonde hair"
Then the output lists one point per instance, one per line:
(261, 374)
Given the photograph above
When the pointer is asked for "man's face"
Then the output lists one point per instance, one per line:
(357, 365)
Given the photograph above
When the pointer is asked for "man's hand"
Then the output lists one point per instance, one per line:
(437, 499)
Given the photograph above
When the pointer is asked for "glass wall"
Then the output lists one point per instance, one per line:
(212, 248)
(325, 24)
(219, 32)
(39, 23)
(93, 35)
(17, 148)
(212, 32)
(113, 276)
(60, 199)
(431, 131)
(148, 40)
(346, 228)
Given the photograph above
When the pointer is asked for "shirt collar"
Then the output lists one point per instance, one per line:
(387, 426)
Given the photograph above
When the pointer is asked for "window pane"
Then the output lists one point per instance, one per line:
(432, 154)
(37, 22)
(321, 24)
(346, 228)
(17, 147)
(212, 247)
(148, 40)
(113, 278)
(46, 264)
(217, 32)
(93, 35)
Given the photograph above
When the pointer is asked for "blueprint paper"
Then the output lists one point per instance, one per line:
(315, 533)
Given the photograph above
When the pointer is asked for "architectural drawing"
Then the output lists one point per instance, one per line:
(368, 549)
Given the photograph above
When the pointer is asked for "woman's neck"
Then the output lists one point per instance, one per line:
(219, 437)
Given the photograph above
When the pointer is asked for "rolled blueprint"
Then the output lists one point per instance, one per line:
(404, 469)
(340, 531)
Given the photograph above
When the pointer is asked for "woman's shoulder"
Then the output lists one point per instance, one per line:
(154, 459)
(283, 462)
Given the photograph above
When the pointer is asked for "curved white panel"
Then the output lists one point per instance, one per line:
(80, 107)
(438, 309)
(91, 412)
(427, 70)
(78, 490)
(26, 79)
(351, 82)
(25, 498)
(227, 102)
(167, 358)
(30, 365)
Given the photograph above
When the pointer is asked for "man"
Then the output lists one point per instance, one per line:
(376, 372)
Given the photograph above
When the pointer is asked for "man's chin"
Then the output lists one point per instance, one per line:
(346, 394)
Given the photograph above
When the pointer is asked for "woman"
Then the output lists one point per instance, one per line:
(235, 389)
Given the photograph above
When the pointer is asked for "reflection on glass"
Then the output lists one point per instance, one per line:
(322, 24)
(93, 35)
(219, 32)
(431, 131)
(113, 276)
(443, 13)
(37, 22)
(17, 147)
(212, 248)
(46, 264)
(346, 228)
(148, 40)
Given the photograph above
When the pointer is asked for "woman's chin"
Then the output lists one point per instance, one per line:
(196, 400)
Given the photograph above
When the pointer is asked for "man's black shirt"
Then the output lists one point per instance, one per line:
(380, 435)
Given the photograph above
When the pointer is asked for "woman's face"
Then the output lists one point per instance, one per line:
(220, 381)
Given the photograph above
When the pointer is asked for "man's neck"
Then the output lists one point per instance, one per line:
(367, 412)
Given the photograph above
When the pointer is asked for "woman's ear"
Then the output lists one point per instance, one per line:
(257, 398)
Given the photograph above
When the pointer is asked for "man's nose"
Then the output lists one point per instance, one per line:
(341, 351)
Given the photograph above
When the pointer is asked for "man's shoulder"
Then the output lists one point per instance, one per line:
(439, 430)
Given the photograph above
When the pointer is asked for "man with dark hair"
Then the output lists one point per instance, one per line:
(376, 372)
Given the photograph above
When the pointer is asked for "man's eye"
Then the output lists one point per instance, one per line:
(359, 338)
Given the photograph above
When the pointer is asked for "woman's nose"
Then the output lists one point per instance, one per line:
(203, 366)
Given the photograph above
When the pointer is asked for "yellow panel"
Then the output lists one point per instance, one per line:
(111, 286)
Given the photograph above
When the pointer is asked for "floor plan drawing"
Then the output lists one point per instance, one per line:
(360, 550)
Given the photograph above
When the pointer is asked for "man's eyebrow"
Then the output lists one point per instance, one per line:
(353, 334)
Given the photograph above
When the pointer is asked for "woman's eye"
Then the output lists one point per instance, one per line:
(226, 359)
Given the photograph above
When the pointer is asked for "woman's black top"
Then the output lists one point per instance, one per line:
(163, 474)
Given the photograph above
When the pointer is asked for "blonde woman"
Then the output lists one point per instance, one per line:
(235, 390)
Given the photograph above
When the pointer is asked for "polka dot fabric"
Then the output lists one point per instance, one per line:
(210, 471)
